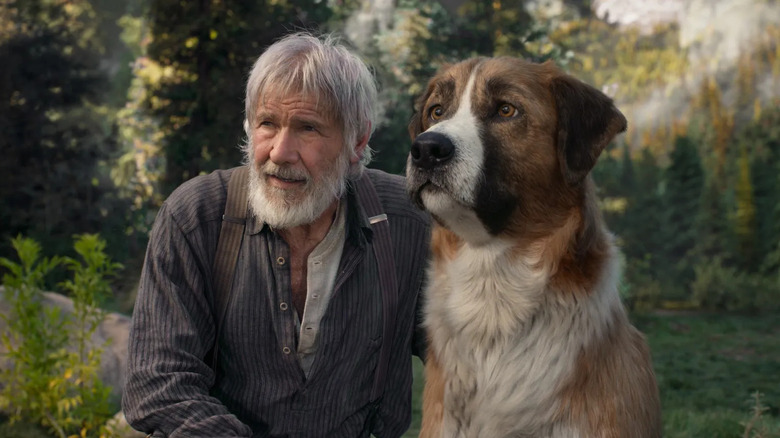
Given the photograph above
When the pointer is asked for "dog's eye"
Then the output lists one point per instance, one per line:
(436, 112)
(507, 110)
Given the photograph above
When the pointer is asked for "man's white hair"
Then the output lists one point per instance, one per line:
(321, 67)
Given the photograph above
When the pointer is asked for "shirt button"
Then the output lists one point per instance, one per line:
(286, 350)
(283, 305)
(280, 260)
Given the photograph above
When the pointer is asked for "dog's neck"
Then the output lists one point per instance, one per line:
(581, 249)
(568, 260)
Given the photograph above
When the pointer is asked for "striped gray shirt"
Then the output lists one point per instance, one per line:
(260, 389)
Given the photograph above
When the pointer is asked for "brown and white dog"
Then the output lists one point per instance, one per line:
(528, 337)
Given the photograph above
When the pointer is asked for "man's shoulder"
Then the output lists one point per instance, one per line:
(199, 200)
(395, 199)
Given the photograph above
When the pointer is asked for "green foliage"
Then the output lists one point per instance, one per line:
(684, 180)
(21, 430)
(633, 61)
(702, 229)
(640, 227)
(48, 380)
(640, 290)
(745, 214)
(57, 135)
(719, 287)
(760, 141)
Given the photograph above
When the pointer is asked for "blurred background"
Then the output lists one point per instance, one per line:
(107, 106)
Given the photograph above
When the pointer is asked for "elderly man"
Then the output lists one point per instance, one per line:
(305, 345)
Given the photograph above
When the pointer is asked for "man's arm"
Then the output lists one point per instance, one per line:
(167, 388)
(411, 255)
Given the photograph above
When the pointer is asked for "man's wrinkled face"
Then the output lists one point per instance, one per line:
(299, 162)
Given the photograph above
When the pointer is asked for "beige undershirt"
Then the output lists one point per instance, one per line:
(322, 266)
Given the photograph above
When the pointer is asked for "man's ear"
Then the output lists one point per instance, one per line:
(587, 122)
(360, 147)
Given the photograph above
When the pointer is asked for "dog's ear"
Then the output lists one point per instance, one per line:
(587, 122)
(415, 124)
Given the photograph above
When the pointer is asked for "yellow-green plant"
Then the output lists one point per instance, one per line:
(52, 373)
(755, 427)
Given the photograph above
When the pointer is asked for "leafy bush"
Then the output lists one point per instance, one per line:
(47, 382)
(720, 287)
(639, 290)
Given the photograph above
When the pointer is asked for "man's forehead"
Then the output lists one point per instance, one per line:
(274, 101)
(296, 100)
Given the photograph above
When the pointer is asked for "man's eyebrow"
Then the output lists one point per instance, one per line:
(316, 120)
(264, 114)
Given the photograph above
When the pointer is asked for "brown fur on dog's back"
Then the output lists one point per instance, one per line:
(606, 399)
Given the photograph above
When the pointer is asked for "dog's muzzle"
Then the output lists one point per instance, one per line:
(431, 149)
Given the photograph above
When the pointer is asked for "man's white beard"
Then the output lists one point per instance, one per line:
(284, 209)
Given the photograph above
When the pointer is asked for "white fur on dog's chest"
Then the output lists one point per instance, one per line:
(505, 352)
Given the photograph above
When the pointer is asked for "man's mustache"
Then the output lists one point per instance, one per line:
(285, 171)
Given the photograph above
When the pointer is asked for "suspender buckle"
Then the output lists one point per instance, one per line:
(376, 219)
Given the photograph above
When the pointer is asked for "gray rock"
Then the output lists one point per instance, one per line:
(112, 334)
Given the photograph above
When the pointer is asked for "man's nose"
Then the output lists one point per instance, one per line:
(284, 150)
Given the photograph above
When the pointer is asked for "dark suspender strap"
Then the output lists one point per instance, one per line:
(383, 251)
(231, 236)
(228, 246)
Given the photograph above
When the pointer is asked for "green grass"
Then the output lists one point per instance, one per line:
(708, 368)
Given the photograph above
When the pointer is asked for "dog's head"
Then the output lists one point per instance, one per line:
(502, 146)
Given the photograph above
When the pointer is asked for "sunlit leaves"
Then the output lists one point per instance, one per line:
(53, 377)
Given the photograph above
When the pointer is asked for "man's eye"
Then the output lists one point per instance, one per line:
(265, 123)
(436, 112)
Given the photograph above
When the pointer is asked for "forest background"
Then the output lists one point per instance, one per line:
(106, 107)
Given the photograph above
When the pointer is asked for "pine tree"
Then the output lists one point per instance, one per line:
(55, 138)
(497, 27)
(627, 173)
(606, 174)
(641, 237)
(745, 215)
(763, 140)
(644, 218)
(684, 180)
(715, 239)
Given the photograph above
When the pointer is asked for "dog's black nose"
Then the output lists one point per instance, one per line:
(431, 149)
